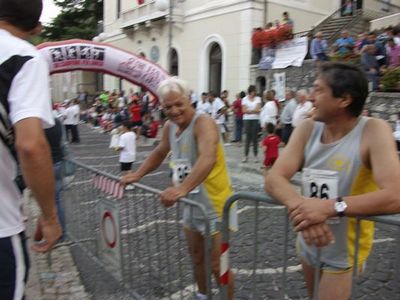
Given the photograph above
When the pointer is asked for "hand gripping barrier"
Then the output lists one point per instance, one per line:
(131, 236)
(264, 261)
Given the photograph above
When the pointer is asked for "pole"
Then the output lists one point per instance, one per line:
(170, 27)
(265, 12)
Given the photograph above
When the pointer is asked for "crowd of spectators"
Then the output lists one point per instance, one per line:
(378, 53)
(108, 110)
(259, 118)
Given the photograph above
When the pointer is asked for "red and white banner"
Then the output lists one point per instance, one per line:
(84, 55)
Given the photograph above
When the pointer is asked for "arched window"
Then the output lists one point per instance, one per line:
(215, 73)
(174, 64)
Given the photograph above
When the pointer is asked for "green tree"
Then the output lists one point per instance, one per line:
(78, 19)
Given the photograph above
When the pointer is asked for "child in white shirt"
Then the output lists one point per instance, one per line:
(127, 148)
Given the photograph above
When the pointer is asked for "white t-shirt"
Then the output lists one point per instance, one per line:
(203, 107)
(216, 105)
(121, 102)
(127, 141)
(251, 105)
(28, 97)
(268, 114)
(71, 115)
(193, 97)
(300, 113)
(114, 142)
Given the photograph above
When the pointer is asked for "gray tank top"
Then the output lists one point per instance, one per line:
(333, 170)
(184, 156)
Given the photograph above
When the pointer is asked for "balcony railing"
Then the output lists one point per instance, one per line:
(148, 12)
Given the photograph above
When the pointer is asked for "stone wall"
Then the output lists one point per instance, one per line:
(296, 77)
(385, 106)
(380, 105)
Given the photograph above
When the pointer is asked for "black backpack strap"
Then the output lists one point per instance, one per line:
(8, 70)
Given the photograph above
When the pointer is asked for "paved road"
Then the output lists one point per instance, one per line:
(268, 221)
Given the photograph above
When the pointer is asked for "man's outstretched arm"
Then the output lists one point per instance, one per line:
(153, 161)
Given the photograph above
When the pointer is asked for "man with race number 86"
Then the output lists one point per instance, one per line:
(349, 168)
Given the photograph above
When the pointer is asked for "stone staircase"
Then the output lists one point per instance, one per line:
(356, 24)
(331, 27)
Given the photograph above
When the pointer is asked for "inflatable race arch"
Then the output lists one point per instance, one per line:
(72, 55)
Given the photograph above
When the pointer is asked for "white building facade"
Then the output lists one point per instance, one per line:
(211, 39)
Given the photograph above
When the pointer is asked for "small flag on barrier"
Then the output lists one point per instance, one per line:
(116, 189)
(97, 181)
(112, 187)
(104, 184)
(108, 187)
(120, 191)
(101, 182)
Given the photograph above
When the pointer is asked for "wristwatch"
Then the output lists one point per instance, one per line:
(340, 207)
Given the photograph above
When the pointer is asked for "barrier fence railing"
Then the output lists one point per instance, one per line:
(130, 235)
(263, 257)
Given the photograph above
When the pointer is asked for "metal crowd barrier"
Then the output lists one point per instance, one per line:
(263, 257)
(130, 235)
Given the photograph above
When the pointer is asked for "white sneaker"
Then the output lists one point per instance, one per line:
(129, 187)
(244, 159)
(200, 296)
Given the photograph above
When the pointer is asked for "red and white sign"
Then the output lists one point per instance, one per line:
(109, 229)
(109, 238)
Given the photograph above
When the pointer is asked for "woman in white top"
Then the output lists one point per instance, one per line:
(251, 105)
(269, 112)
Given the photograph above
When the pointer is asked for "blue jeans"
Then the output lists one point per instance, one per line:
(238, 129)
(374, 78)
(58, 173)
(286, 132)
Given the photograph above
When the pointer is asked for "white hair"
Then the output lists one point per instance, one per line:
(173, 84)
(302, 92)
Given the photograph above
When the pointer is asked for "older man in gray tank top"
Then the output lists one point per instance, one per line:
(198, 170)
(349, 168)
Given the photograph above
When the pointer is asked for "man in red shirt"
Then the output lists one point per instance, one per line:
(237, 109)
(136, 117)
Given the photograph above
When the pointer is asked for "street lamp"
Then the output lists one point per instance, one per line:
(163, 5)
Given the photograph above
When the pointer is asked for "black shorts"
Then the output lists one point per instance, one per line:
(126, 166)
(14, 262)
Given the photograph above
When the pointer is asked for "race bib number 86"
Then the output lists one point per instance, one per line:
(321, 184)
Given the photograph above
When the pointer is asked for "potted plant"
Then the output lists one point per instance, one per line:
(391, 80)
